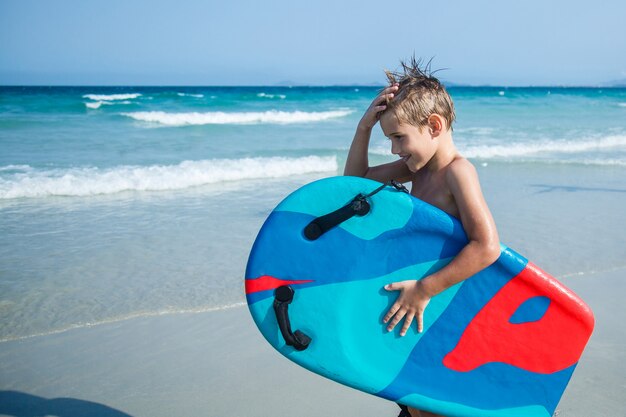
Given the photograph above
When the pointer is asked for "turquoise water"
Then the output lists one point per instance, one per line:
(126, 201)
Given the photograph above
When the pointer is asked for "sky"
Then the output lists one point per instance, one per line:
(309, 42)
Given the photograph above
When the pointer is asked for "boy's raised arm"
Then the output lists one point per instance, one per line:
(357, 163)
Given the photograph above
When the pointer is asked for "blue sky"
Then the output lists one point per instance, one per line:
(301, 42)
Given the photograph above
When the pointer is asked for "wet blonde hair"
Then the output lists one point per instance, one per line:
(419, 95)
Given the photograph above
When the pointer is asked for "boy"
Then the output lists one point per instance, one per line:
(416, 113)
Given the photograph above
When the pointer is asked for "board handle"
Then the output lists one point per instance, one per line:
(357, 207)
(282, 298)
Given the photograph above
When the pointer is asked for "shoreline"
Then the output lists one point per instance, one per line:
(113, 320)
(149, 314)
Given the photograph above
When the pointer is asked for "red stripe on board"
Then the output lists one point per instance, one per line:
(266, 282)
(545, 346)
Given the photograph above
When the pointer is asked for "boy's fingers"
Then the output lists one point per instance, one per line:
(392, 87)
(383, 98)
(396, 319)
(394, 308)
(420, 322)
(394, 286)
(407, 323)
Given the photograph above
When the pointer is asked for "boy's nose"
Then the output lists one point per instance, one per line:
(395, 148)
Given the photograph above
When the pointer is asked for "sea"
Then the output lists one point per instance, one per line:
(124, 202)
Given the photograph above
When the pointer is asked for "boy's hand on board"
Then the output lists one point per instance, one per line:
(372, 114)
(410, 304)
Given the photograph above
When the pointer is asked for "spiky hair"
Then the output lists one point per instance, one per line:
(419, 95)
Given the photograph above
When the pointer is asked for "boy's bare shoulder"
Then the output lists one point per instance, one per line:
(462, 178)
(459, 169)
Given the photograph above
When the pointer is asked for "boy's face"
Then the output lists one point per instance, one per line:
(412, 144)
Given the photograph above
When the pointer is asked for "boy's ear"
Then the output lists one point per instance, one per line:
(435, 124)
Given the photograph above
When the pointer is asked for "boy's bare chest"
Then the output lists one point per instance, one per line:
(435, 191)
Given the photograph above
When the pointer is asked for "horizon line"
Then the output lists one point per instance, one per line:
(365, 85)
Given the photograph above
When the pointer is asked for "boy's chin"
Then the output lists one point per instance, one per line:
(412, 167)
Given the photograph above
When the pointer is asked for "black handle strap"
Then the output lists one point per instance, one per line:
(282, 298)
(359, 206)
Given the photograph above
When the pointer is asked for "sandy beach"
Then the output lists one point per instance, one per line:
(217, 364)
(213, 364)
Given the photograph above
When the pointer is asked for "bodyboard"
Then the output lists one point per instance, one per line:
(504, 342)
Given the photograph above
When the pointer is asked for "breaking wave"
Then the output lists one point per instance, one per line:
(96, 181)
(97, 104)
(265, 95)
(590, 151)
(513, 150)
(272, 116)
(111, 97)
(190, 95)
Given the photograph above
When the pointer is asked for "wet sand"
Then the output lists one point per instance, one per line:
(218, 364)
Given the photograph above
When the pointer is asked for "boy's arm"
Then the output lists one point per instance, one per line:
(481, 251)
(357, 163)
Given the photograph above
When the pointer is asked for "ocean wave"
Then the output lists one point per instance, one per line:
(579, 152)
(111, 97)
(380, 150)
(281, 96)
(25, 168)
(97, 104)
(272, 116)
(190, 95)
(512, 150)
(482, 131)
(589, 161)
(95, 181)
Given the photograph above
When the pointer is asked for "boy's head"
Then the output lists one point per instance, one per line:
(419, 95)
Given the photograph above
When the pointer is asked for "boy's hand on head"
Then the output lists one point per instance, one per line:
(410, 304)
(372, 114)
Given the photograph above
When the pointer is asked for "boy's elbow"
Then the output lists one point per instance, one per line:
(492, 251)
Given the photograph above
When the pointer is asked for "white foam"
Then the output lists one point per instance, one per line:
(190, 95)
(95, 181)
(272, 116)
(16, 168)
(111, 97)
(482, 131)
(512, 150)
(621, 104)
(573, 152)
(281, 96)
(589, 161)
(97, 104)
(380, 150)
